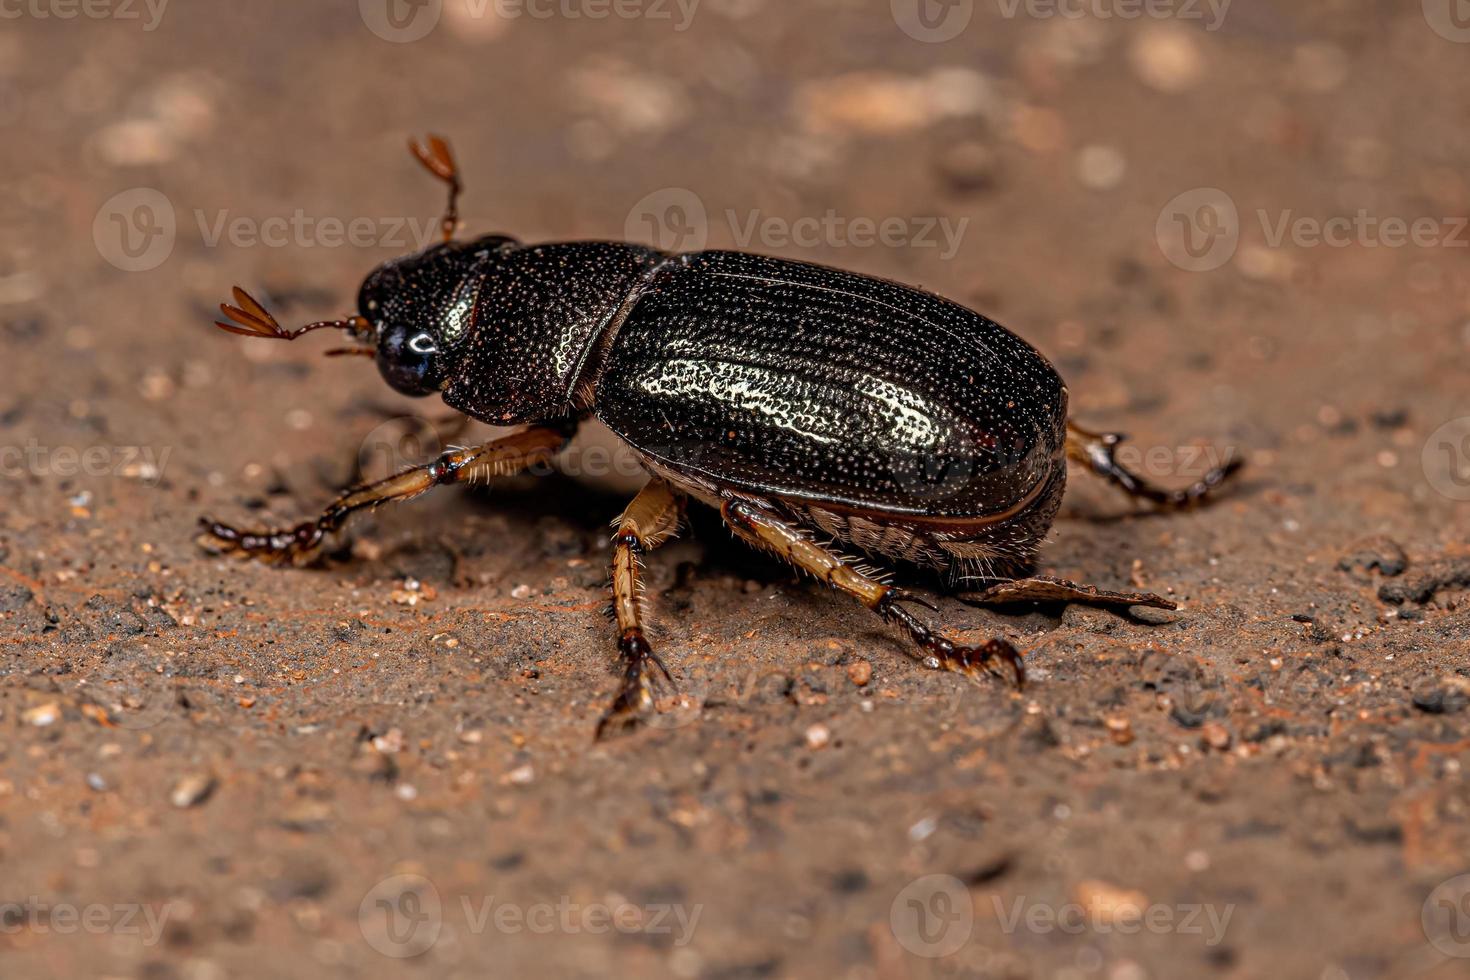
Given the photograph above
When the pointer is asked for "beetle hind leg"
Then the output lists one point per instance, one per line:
(764, 529)
(650, 520)
(1098, 452)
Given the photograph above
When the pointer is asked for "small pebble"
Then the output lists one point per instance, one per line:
(1110, 903)
(1120, 729)
(191, 790)
(818, 736)
(967, 167)
(860, 672)
(42, 714)
(1166, 59)
(1153, 615)
(1101, 168)
(1215, 736)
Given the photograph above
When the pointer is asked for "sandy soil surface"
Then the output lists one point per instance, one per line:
(1243, 234)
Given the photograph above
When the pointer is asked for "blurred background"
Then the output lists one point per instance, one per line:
(1236, 226)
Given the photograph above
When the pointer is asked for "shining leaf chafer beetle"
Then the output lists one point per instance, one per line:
(815, 408)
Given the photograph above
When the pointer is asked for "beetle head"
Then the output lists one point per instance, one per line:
(421, 306)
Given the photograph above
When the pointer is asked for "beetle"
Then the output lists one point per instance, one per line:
(817, 409)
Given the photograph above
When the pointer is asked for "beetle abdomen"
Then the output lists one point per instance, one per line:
(827, 389)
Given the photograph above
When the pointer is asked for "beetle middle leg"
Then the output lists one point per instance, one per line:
(650, 520)
(765, 529)
(500, 457)
(1098, 452)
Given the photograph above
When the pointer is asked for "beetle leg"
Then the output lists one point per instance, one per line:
(761, 527)
(1044, 589)
(299, 544)
(650, 520)
(1097, 451)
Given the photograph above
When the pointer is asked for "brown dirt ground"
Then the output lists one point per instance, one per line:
(256, 754)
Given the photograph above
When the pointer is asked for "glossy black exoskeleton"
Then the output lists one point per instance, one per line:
(806, 403)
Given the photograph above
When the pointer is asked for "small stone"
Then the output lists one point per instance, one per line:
(521, 592)
(1166, 58)
(1101, 168)
(967, 167)
(520, 776)
(389, 742)
(1120, 729)
(860, 672)
(1110, 903)
(42, 715)
(1153, 615)
(191, 790)
(1215, 736)
(818, 736)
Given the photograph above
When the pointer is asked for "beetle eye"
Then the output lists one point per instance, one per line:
(406, 360)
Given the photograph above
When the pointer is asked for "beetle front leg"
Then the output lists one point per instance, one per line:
(764, 529)
(649, 521)
(300, 544)
(1098, 452)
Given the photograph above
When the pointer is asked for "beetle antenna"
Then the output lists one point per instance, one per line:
(438, 160)
(248, 318)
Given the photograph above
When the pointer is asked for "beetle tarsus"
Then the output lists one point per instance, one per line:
(995, 656)
(635, 700)
(1098, 452)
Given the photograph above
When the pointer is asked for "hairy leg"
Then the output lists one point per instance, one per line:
(763, 528)
(650, 520)
(299, 544)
